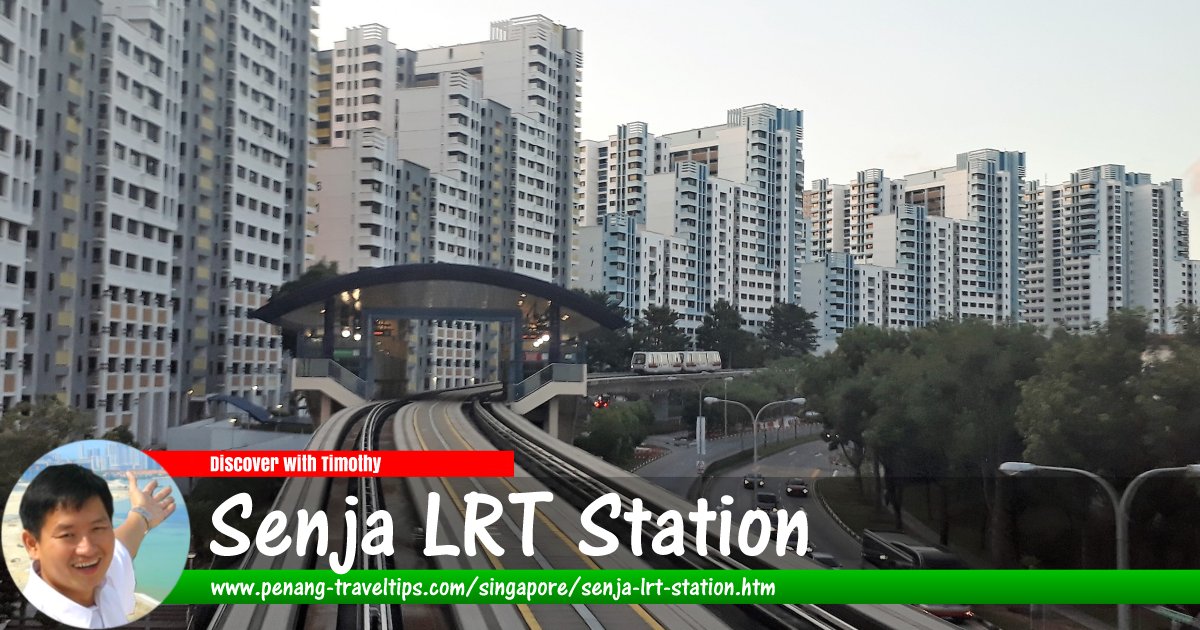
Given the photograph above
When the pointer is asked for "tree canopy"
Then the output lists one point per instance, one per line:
(658, 330)
(723, 330)
(790, 331)
(607, 350)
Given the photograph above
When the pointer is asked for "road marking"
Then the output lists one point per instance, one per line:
(637, 608)
(524, 609)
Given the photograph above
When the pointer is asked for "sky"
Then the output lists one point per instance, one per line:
(902, 86)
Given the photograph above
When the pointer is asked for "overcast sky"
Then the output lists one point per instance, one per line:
(902, 86)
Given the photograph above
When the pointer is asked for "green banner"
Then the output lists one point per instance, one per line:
(687, 587)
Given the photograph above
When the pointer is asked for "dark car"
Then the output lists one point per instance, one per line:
(753, 480)
(826, 559)
(768, 501)
(793, 541)
(950, 612)
(797, 487)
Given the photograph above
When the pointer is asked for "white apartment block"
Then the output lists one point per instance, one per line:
(494, 124)
(760, 148)
(831, 293)
(870, 196)
(911, 251)
(1105, 239)
(532, 66)
(614, 178)
(267, 133)
(170, 196)
(825, 208)
(19, 27)
(364, 71)
(370, 203)
(135, 217)
(982, 192)
(1190, 288)
(665, 221)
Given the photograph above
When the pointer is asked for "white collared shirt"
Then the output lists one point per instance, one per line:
(114, 598)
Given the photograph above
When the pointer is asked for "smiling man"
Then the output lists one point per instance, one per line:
(82, 573)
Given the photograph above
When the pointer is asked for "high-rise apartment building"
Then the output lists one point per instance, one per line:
(1105, 239)
(759, 148)
(264, 189)
(532, 66)
(482, 136)
(20, 23)
(982, 192)
(56, 305)
(690, 218)
(166, 201)
(134, 216)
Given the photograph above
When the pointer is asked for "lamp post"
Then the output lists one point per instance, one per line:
(725, 411)
(797, 401)
(1120, 503)
(701, 425)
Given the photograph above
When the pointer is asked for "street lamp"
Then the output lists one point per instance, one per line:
(1120, 505)
(725, 411)
(701, 425)
(796, 401)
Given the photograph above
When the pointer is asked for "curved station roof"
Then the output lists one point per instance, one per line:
(447, 291)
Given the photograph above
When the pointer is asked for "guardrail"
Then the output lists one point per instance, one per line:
(327, 368)
(555, 372)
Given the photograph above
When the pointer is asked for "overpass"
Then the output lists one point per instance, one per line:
(541, 396)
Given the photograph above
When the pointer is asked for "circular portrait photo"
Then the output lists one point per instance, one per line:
(95, 534)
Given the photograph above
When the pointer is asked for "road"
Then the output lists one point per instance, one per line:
(676, 471)
(812, 460)
(808, 461)
(428, 425)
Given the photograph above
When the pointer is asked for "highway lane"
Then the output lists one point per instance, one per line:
(676, 472)
(808, 461)
(444, 426)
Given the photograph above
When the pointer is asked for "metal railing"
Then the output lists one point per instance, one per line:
(555, 372)
(327, 368)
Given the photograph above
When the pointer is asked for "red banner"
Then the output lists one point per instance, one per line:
(335, 463)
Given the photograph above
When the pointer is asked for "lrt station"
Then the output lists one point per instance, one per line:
(353, 338)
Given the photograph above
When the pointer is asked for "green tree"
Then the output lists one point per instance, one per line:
(321, 270)
(658, 330)
(906, 433)
(839, 388)
(120, 434)
(722, 331)
(937, 428)
(1187, 321)
(790, 331)
(1082, 410)
(30, 430)
(607, 350)
(614, 432)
